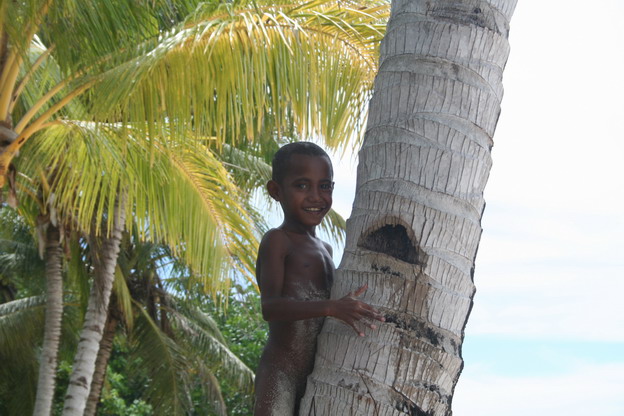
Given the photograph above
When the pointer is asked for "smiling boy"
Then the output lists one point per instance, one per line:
(295, 272)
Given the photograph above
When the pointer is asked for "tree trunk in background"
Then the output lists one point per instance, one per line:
(416, 221)
(53, 319)
(105, 250)
(101, 363)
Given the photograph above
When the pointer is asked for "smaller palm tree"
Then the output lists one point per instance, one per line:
(23, 313)
(175, 344)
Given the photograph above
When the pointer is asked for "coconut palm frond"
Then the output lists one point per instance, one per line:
(249, 171)
(100, 28)
(166, 364)
(20, 264)
(18, 379)
(334, 226)
(192, 313)
(215, 226)
(123, 298)
(20, 322)
(216, 234)
(86, 170)
(20, 331)
(260, 48)
(210, 386)
(77, 268)
(200, 332)
(37, 76)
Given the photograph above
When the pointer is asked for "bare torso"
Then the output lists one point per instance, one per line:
(288, 357)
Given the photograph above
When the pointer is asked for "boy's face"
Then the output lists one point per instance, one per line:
(305, 192)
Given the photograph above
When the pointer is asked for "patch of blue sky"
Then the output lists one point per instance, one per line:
(518, 357)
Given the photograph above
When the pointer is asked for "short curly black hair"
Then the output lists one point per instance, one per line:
(282, 157)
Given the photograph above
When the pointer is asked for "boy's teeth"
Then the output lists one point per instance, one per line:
(313, 209)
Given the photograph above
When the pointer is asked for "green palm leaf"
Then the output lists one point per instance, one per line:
(213, 234)
(209, 385)
(20, 330)
(203, 336)
(20, 322)
(202, 67)
(176, 366)
(165, 363)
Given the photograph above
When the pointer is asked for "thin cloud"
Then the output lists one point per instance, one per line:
(584, 390)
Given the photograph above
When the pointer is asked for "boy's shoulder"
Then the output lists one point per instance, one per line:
(275, 238)
(275, 233)
(328, 247)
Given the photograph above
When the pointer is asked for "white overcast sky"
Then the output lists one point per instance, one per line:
(546, 334)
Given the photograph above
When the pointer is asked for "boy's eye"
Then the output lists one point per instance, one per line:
(302, 186)
(327, 186)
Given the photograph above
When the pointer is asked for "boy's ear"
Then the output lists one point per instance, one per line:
(274, 189)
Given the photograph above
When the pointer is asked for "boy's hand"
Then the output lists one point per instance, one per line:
(351, 310)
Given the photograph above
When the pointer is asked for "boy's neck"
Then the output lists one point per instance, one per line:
(296, 228)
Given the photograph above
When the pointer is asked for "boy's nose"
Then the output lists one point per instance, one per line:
(314, 194)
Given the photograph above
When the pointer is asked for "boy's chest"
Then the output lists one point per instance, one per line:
(309, 271)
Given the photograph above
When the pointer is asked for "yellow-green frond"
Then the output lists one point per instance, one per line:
(239, 65)
(200, 213)
(123, 298)
(334, 226)
(180, 195)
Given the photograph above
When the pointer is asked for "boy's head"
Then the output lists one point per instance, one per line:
(303, 184)
(282, 158)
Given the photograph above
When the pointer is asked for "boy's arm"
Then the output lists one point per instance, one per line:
(270, 274)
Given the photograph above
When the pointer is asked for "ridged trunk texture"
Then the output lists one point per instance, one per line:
(101, 364)
(53, 320)
(105, 250)
(416, 220)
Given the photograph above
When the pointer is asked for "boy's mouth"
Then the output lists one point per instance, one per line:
(314, 209)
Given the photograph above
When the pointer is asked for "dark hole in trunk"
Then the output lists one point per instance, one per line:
(393, 241)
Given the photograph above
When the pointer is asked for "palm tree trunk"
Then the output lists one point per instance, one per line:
(53, 319)
(416, 220)
(105, 251)
(101, 363)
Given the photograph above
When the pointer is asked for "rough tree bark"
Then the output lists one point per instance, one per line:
(53, 320)
(101, 363)
(105, 251)
(416, 221)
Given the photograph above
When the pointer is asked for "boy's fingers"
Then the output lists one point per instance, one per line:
(370, 321)
(355, 328)
(374, 314)
(379, 317)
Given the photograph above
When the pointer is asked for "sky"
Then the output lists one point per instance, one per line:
(546, 333)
